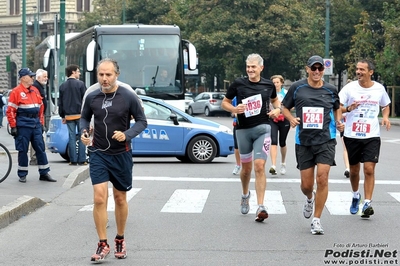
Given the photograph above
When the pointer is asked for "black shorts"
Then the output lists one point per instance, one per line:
(362, 150)
(309, 156)
(114, 168)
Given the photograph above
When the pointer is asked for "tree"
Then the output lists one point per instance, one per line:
(225, 32)
(344, 15)
(363, 44)
(388, 61)
(107, 12)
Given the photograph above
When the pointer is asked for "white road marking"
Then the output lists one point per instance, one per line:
(111, 203)
(237, 180)
(395, 141)
(186, 201)
(194, 200)
(395, 195)
(272, 201)
(338, 202)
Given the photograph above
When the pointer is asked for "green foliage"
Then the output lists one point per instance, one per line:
(344, 15)
(106, 12)
(284, 32)
(363, 44)
(388, 61)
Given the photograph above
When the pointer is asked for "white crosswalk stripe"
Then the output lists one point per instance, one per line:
(111, 203)
(272, 201)
(194, 201)
(338, 202)
(395, 195)
(186, 201)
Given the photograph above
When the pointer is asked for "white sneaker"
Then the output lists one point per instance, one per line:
(236, 170)
(308, 208)
(283, 168)
(316, 228)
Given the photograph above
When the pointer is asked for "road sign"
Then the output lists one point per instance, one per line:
(328, 64)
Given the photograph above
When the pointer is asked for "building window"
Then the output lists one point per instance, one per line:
(44, 6)
(79, 5)
(83, 5)
(14, 41)
(87, 5)
(15, 7)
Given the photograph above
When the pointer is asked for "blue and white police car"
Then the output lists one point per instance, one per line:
(170, 133)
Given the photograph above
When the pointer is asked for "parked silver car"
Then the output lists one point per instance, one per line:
(207, 103)
(188, 101)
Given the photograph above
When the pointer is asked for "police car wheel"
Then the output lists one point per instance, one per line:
(201, 149)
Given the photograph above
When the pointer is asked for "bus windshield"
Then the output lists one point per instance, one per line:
(149, 62)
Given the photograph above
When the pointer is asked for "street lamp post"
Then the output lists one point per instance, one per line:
(327, 34)
(23, 33)
(36, 22)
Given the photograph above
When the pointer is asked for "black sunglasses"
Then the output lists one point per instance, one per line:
(320, 68)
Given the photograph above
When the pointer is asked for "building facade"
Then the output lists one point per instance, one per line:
(40, 21)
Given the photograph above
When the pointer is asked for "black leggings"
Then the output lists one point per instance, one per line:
(283, 127)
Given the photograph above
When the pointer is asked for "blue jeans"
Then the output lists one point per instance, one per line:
(75, 156)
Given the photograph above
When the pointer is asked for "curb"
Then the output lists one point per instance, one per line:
(25, 205)
(76, 177)
(19, 208)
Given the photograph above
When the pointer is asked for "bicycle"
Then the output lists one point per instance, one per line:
(5, 162)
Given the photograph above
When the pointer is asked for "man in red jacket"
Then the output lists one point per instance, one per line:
(26, 118)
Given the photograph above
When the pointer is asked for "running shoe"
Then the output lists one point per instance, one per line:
(261, 214)
(283, 169)
(244, 205)
(355, 205)
(236, 170)
(102, 252)
(308, 208)
(272, 170)
(316, 228)
(120, 249)
(367, 210)
(347, 173)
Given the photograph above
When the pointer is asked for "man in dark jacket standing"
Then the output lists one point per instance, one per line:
(70, 105)
(40, 83)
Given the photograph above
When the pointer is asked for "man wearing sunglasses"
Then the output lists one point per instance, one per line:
(318, 116)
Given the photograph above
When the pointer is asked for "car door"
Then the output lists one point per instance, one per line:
(161, 137)
(200, 102)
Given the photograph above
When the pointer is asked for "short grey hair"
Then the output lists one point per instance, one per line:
(40, 72)
(107, 59)
(255, 57)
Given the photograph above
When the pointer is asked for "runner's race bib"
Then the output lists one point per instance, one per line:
(313, 117)
(360, 128)
(253, 105)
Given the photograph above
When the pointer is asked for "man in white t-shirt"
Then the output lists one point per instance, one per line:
(363, 99)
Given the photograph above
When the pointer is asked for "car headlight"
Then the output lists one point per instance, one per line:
(225, 129)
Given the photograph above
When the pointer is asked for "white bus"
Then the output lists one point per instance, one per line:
(143, 53)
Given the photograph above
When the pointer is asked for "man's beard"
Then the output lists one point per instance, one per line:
(109, 87)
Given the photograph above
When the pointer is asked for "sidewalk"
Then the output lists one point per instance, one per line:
(19, 199)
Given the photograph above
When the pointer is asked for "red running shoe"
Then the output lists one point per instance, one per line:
(120, 249)
(102, 252)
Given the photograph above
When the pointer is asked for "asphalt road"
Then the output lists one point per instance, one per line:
(165, 227)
